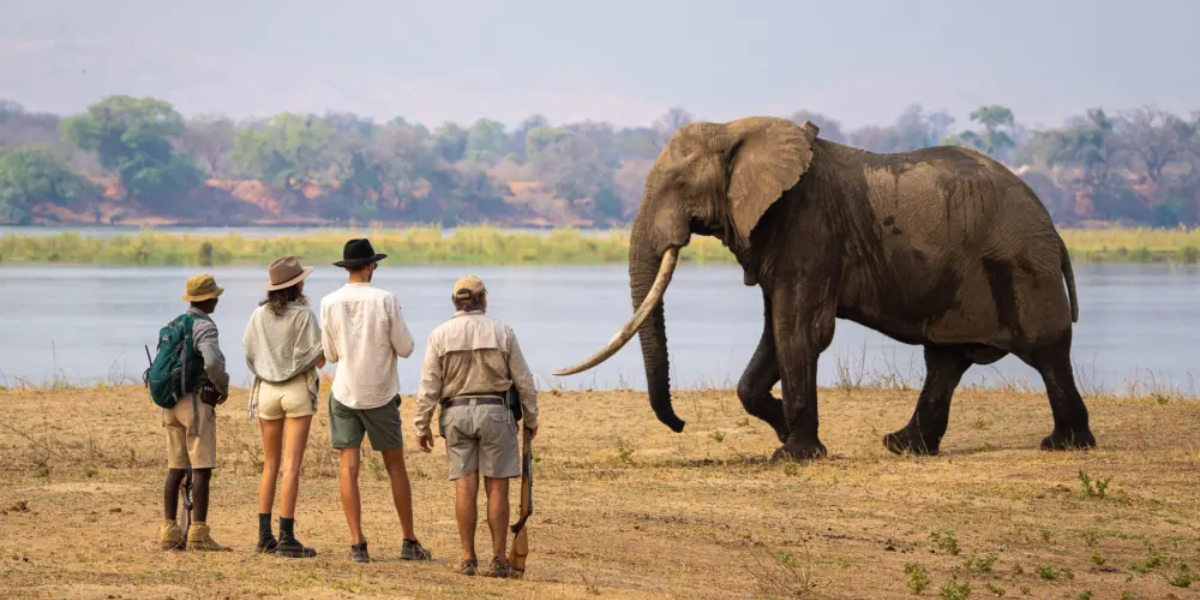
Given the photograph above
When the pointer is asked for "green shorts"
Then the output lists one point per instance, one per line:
(381, 424)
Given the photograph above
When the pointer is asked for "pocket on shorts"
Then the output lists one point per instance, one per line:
(503, 416)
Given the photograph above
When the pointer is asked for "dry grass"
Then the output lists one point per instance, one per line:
(625, 508)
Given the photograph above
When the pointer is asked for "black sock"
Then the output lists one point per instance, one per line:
(264, 525)
(287, 528)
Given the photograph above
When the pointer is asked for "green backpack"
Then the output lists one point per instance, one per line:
(177, 367)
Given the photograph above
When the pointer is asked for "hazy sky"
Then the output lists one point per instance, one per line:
(624, 61)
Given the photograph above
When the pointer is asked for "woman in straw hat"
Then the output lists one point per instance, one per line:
(283, 351)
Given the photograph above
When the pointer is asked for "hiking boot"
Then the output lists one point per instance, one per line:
(199, 539)
(289, 546)
(170, 536)
(468, 567)
(358, 552)
(266, 540)
(501, 568)
(266, 545)
(412, 550)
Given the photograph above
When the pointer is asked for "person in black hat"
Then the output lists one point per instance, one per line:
(363, 331)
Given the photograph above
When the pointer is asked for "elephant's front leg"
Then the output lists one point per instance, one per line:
(754, 388)
(804, 323)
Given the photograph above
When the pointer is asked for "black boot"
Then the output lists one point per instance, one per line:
(289, 546)
(266, 540)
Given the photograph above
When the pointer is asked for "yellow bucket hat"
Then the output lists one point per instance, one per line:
(202, 287)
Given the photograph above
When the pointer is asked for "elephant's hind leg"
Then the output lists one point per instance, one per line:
(754, 388)
(944, 368)
(1071, 429)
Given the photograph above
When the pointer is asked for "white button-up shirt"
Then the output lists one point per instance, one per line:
(363, 330)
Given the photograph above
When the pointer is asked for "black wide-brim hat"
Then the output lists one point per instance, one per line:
(358, 252)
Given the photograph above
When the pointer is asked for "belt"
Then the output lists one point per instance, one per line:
(477, 400)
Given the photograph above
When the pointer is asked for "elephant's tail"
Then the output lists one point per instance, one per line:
(1069, 274)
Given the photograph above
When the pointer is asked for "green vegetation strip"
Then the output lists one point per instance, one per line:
(487, 246)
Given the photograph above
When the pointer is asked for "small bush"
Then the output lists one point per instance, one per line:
(945, 541)
(955, 591)
(918, 578)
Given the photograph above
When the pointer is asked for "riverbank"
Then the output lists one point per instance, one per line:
(482, 245)
(625, 507)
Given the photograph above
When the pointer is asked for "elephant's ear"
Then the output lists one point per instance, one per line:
(766, 157)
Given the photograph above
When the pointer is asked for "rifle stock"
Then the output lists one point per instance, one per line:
(520, 544)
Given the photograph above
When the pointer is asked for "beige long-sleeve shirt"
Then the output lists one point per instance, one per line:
(473, 354)
(363, 330)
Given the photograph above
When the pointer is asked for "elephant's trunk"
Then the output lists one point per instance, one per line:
(653, 335)
(649, 276)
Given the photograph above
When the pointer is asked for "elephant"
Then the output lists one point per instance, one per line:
(942, 247)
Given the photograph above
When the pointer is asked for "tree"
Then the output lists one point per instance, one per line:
(517, 139)
(347, 122)
(1156, 140)
(210, 139)
(637, 142)
(450, 141)
(30, 175)
(487, 142)
(134, 137)
(565, 161)
(997, 137)
(670, 122)
(600, 137)
(290, 151)
(913, 129)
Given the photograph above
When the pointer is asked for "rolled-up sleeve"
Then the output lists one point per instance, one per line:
(430, 390)
(402, 340)
(204, 336)
(523, 380)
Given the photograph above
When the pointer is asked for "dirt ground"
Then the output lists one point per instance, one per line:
(626, 508)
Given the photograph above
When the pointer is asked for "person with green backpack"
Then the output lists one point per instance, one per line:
(187, 380)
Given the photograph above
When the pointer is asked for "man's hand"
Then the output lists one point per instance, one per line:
(426, 442)
(532, 432)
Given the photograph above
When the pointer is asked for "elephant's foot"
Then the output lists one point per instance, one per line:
(797, 451)
(905, 442)
(1069, 440)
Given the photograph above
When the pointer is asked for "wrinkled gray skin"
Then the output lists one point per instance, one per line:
(942, 247)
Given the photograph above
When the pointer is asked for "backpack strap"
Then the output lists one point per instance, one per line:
(187, 320)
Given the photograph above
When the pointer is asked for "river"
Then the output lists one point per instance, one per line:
(87, 324)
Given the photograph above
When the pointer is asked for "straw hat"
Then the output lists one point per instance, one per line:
(202, 287)
(285, 273)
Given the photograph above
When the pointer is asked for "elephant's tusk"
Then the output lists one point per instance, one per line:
(661, 281)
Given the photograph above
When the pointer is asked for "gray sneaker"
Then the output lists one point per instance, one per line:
(412, 550)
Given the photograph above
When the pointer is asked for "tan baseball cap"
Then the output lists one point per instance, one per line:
(202, 287)
(468, 287)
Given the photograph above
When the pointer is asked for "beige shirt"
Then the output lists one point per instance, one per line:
(363, 330)
(473, 354)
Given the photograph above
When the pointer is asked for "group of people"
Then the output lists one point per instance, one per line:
(470, 364)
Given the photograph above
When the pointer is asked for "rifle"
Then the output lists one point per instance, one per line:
(520, 545)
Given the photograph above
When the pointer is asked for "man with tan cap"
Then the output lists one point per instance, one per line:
(192, 423)
(470, 363)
